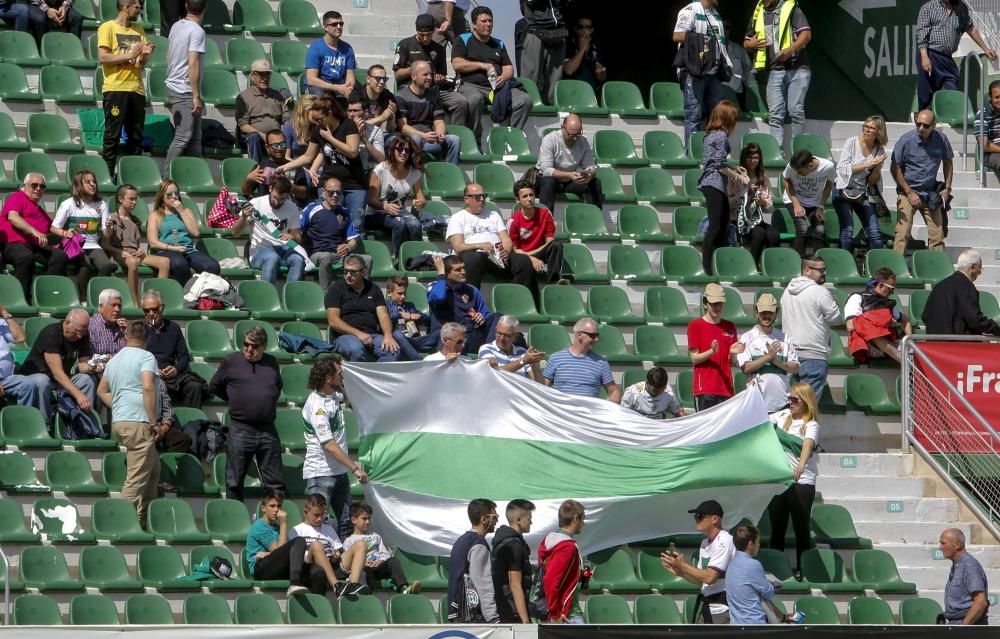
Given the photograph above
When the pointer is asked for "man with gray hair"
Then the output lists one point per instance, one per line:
(452, 343)
(578, 370)
(27, 229)
(965, 599)
(505, 355)
(953, 305)
(107, 328)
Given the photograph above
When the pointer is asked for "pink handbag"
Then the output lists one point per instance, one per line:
(225, 211)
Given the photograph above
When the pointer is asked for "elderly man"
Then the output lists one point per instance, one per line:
(452, 343)
(107, 327)
(873, 322)
(260, 110)
(505, 355)
(965, 595)
(422, 115)
(566, 165)
(27, 227)
(940, 25)
(57, 349)
(18, 387)
(422, 47)
(250, 382)
(916, 159)
(165, 341)
(714, 556)
(953, 305)
(358, 316)
(808, 310)
(452, 299)
(578, 370)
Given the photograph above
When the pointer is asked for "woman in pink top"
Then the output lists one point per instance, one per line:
(25, 228)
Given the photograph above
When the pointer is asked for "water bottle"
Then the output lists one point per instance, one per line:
(798, 617)
(175, 236)
(491, 75)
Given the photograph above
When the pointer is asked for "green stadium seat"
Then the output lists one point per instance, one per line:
(625, 99)
(382, 267)
(208, 339)
(35, 610)
(818, 145)
(735, 264)
(104, 568)
(687, 219)
(422, 568)
(257, 18)
(304, 299)
(683, 386)
(470, 147)
(171, 521)
(237, 582)
(17, 475)
(734, 310)
(869, 610)
(833, 525)
(667, 98)
(31, 162)
(61, 48)
(193, 175)
(613, 572)
(950, 107)
(841, 269)
(141, 172)
(507, 144)
(162, 568)
(538, 106)
(867, 392)
(576, 96)
(824, 569)
(294, 380)
(612, 347)
(656, 186)
(184, 472)
(262, 301)
(586, 222)
(86, 9)
(62, 85)
(226, 520)
(666, 149)
(220, 88)
(769, 147)
(776, 563)
(516, 300)
(115, 520)
(299, 17)
(93, 610)
(273, 349)
(657, 344)
(207, 609)
(242, 53)
(14, 84)
(413, 248)
(13, 296)
(19, 48)
(33, 326)
(666, 305)
(651, 572)
(217, 19)
(311, 609)
(876, 569)
(932, 266)
(69, 472)
(607, 609)
(683, 264)
(288, 423)
(548, 338)
(656, 609)
(615, 147)
(781, 264)
(220, 249)
(817, 610)
(922, 611)
(22, 426)
(578, 261)
(9, 140)
(12, 528)
(185, 414)
(148, 610)
(96, 165)
(611, 304)
(288, 56)
(99, 283)
(631, 263)
(233, 172)
(611, 186)
(696, 147)
(44, 568)
(497, 181)
(445, 180)
(213, 58)
(159, 58)
(411, 609)
(364, 609)
(54, 294)
(915, 311)
(563, 304)
(691, 191)
(878, 258)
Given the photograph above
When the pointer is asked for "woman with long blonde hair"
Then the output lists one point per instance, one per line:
(860, 166)
(172, 231)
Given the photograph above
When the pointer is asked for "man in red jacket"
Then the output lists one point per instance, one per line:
(563, 563)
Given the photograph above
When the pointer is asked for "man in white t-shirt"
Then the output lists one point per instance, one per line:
(275, 235)
(653, 398)
(808, 181)
(768, 358)
(714, 555)
(350, 563)
(480, 238)
(184, 66)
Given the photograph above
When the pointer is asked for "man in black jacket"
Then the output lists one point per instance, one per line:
(166, 342)
(512, 563)
(953, 305)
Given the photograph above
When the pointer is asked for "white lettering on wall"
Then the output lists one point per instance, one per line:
(889, 54)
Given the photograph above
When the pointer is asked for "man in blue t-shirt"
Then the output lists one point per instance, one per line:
(578, 370)
(327, 232)
(330, 61)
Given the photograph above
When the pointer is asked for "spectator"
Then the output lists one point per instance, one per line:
(566, 165)
(17, 387)
(768, 357)
(372, 148)
(453, 299)
(511, 559)
(470, 556)
(378, 102)
(55, 351)
(422, 48)
(699, 28)
(84, 213)
(27, 228)
(172, 230)
(714, 180)
(798, 421)
(743, 72)
(260, 110)
(987, 129)
(953, 306)
(747, 587)
(453, 342)
(860, 167)
(330, 61)
(809, 310)
(107, 328)
(714, 556)
(122, 50)
(578, 370)
(394, 181)
(336, 136)
(315, 530)
(379, 562)
(450, 18)
(170, 12)
(756, 205)
(713, 349)
(583, 61)
(532, 232)
(121, 237)
(327, 232)
(129, 388)
(296, 129)
(422, 115)
(542, 48)
(53, 15)
(560, 555)
(965, 595)
(483, 67)
(250, 383)
(778, 34)
(408, 321)
(173, 360)
(358, 317)
(480, 238)
(874, 324)
(185, 55)
(505, 355)
(274, 232)
(916, 159)
(15, 14)
(653, 398)
(808, 182)
(940, 25)
(258, 180)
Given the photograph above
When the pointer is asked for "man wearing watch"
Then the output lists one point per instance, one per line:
(327, 232)
(916, 159)
(505, 355)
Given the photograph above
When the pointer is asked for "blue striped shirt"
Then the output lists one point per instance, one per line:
(583, 375)
(746, 586)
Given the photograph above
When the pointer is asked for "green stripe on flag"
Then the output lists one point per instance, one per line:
(470, 466)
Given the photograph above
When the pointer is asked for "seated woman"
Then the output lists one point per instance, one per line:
(121, 240)
(173, 230)
(754, 205)
(392, 183)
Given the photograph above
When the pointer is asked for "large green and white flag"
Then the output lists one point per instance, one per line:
(437, 435)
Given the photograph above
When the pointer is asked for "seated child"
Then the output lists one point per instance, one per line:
(406, 319)
(379, 562)
(315, 531)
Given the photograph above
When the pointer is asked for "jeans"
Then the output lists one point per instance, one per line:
(269, 256)
(448, 150)
(410, 348)
(354, 351)
(337, 490)
(846, 209)
(92, 260)
(187, 126)
(255, 147)
(700, 97)
(356, 202)
(244, 446)
(813, 372)
(40, 23)
(548, 187)
(519, 270)
(786, 94)
(403, 227)
(44, 385)
(15, 15)
(803, 234)
(22, 389)
(182, 263)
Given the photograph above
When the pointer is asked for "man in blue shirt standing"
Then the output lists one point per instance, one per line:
(330, 61)
(916, 159)
(747, 588)
(965, 600)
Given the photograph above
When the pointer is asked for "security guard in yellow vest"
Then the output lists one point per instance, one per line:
(777, 36)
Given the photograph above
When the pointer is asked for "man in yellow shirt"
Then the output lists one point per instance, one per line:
(122, 49)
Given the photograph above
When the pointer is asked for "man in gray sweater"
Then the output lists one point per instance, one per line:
(808, 310)
(566, 165)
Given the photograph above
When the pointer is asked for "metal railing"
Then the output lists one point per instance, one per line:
(965, 455)
(6, 588)
(981, 101)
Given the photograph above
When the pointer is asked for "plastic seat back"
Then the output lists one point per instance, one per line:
(93, 610)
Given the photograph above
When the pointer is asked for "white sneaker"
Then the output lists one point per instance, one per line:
(296, 590)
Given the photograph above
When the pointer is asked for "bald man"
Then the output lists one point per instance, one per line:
(28, 231)
(421, 115)
(916, 159)
(566, 165)
(965, 601)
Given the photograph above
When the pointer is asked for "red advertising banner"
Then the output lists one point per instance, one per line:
(943, 424)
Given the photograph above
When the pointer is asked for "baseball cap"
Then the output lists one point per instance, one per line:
(260, 66)
(710, 507)
(714, 293)
(766, 302)
(426, 22)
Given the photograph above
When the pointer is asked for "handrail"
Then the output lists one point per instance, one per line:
(6, 588)
(980, 152)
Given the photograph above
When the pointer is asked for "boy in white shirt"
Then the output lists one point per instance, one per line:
(379, 562)
(314, 528)
(653, 398)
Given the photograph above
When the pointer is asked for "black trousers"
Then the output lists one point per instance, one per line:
(170, 12)
(122, 110)
(23, 258)
(704, 402)
(552, 255)
(388, 569)
(519, 270)
(187, 389)
(244, 446)
(284, 562)
(761, 237)
(548, 187)
(797, 501)
(718, 224)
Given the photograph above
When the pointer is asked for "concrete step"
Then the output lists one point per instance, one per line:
(906, 532)
(400, 24)
(921, 509)
(887, 487)
(924, 555)
(891, 465)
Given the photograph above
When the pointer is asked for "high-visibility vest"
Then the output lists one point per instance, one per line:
(784, 28)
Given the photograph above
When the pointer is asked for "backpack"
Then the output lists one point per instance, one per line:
(538, 605)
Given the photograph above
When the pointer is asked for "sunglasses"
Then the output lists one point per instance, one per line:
(37, 185)
(379, 79)
(794, 400)
(334, 24)
(353, 271)
(251, 346)
(477, 196)
(401, 149)
(921, 125)
(699, 516)
(818, 269)
(153, 309)
(278, 145)
(590, 335)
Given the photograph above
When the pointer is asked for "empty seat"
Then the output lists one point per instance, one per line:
(579, 262)
(656, 186)
(824, 569)
(625, 99)
(69, 472)
(818, 145)
(115, 520)
(31, 162)
(612, 347)
(93, 610)
(141, 172)
(148, 610)
(607, 608)
(563, 304)
(879, 258)
(615, 147)
(19, 48)
(208, 339)
(687, 221)
(631, 263)
(657, 344)
(869, 610)
(299, 17)
(262, 300)
(577, 96)
(22, 426)
(17, 475)
(666, 149)
(61, 48)
(44, 568)
(104, 568)
(919, 610)
(13, 297)
(683, 264)
(666, 305)
(613, 572)
(640, 223)
(257, 17)
(867, 392)
(184, 472)
(950, 107)
(516, 299)
(691, 190)
(736, 265)
(611, 304)
(833, 525)
(62, 84)
(444, 180)
(14, 85)
(667, 99)
(817, 610)
(507, 144)
(781, 264)
(497, 181)
(313, 609)
(207, 609)
(35, 610)
(364, 609)
(242, 53)
(656, 609)
(162, 568)
(841, 269)
(876, 569)
(172, 521)
(612, 187)
(932, 266)
(548, 338)
(193, 175)
(586, 222)
(304, 300)
(226, 520)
